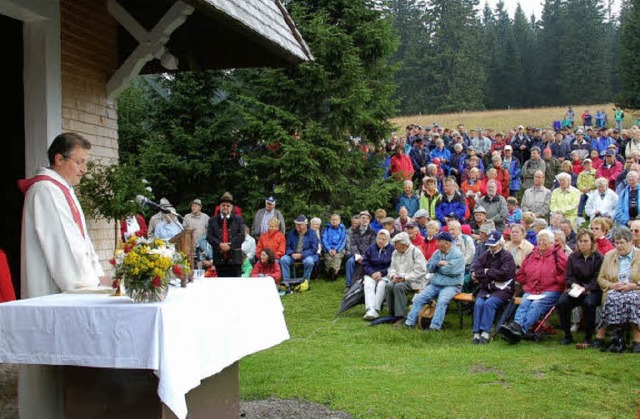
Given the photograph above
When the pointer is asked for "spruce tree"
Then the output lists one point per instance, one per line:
(630, 56)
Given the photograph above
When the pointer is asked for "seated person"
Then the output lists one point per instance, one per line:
(376, 223)
(407, 274)
(334, 242)
(495, 270)
(421, 217)
(619, 279)
(430, 242)
(414, 235)
(375, 263)
(132, 225)
(249, 245)
(273, 239)
(583, 266)
(302, 246)
(447, 267)
(267, 266)
(168, 227)
(314, 225)
(542, 276)
(360, 241)
(389, 224)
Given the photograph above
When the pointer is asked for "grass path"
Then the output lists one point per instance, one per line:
(383, 372)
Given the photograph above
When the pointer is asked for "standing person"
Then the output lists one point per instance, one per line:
(618, 116)
(226, 235)
(57, 255)
(530, 167)
(261, 220)
(401, 166)
(570, 115)
(197, 220)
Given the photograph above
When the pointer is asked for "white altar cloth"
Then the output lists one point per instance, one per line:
(195, 333)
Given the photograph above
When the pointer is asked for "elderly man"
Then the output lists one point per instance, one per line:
(361, 239)
(463, 243)
(408, 199)
(196, 220)
(552, 168)
(261, 220)
(580, 145)
(334, 241)
(447, 267)
(226, 235)
(513, 166)
(602, 202)
(452, 201)
(419, 156)
(537, 198)
(628, 201)
(302, 246)
(495, 270)
(479, 219)
(156, 218)
(530, 167)
(566, 198)
(494, 205)
(421, 217)
(169, 226)
(406, 274)
(610, 169)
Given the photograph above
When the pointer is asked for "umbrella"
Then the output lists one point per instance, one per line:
(353, 297)
(507, 313)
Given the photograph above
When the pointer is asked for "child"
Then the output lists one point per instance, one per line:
(514, 214)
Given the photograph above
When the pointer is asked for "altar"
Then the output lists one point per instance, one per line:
(197, 335)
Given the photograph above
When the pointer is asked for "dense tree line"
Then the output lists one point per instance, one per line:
(454, 56)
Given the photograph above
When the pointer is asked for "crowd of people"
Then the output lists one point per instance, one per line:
(550, 216)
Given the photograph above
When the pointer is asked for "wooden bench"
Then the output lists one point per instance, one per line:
(463, 297)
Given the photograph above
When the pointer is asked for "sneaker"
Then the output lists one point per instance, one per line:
(575, 327)
(483, 340)
(598, 343)
(371, 315)
(511, 332)
(476, 341)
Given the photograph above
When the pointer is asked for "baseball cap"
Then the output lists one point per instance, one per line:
(411, 224)
(494, 238)
(610, 153)
(452, 215)
(508, 147)
(445, 236)
(270, 200)
(301, 219)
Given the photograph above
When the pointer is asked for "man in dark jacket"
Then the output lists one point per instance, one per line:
(225, 235)
(495, 270)
(360, 241)
(302, 246)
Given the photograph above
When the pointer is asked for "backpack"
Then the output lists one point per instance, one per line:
(426, 314)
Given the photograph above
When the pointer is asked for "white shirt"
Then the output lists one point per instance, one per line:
(55, 256)
(606, 205)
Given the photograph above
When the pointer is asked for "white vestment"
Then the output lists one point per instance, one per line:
(55, 256)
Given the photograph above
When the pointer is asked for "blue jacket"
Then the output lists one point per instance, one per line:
(622, 211)
(562, 150)
(412, 204)
(334, 238)
(444, 154)
(310, 244)
(376, 259)
(464, 163)
(448, 275)
(514, 171)
(600, 144)
(457, 205)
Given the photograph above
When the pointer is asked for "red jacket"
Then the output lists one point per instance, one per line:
(542, 273)
(610, 173)
(604, 245)
(272, 270)
(401, 164)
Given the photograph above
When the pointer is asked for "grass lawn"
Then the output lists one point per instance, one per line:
(385, 372)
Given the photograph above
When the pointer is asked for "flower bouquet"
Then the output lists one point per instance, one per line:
(144, 268)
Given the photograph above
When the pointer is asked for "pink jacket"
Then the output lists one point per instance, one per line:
(541, 273)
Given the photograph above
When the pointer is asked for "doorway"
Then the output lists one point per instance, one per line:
(12, 167)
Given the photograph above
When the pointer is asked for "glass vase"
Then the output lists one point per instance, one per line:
(146, 295)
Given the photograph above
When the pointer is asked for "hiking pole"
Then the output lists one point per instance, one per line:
(544, 319)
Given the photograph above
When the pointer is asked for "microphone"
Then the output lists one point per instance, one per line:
(146, 202)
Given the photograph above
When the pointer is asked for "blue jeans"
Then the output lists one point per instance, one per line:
(286, 262)
(444, 294)
(529, 311)
(484, 312)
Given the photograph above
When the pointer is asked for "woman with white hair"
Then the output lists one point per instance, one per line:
(375, 263)
(601, 202)
(565, 198)
(542, 276)
(408, 199)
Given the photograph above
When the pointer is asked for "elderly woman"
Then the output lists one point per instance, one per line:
(542, 276)
(471, 188)
(495, 270)
(443, 154)
(566, 198)
(600, 228)
(518, 246)
(375, 263)
(430, 242)
(619, 280)
(273, 239)
(582, 288)
(430, 196)
(408, 199)
(560, 239)
(601, 202)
